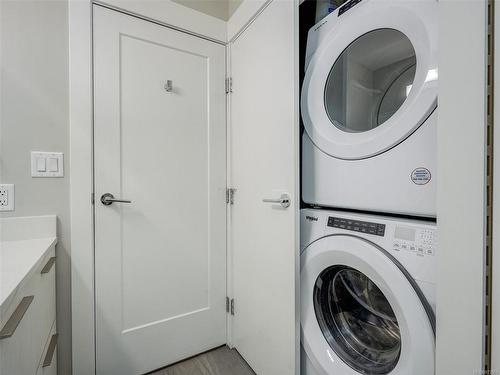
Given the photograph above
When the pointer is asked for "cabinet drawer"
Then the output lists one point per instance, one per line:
(17, 353)
(44, 308)
(48, 362)
(26, 326)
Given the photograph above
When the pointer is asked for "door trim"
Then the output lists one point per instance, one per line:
(156, 21)
(168, 14)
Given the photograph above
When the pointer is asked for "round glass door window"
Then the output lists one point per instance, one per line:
(357, 321)
(370, 80)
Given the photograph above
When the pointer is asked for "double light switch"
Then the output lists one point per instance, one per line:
(47, 164)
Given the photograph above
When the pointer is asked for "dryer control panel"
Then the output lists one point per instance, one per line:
(421, 241)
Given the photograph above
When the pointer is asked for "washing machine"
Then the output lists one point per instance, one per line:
(367, 294)
(368, 105)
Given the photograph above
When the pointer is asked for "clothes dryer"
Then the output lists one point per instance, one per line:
(368, 105)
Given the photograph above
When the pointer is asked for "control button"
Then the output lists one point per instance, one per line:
(412, 248)
(429, 251)
(404, 246)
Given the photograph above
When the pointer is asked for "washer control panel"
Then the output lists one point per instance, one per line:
(421, 241)
(357, 225)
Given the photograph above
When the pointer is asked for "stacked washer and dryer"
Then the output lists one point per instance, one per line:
(368, 238)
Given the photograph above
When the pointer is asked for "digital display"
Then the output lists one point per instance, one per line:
(405, 233)
(357, 226)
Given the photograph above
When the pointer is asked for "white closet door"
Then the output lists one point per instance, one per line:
(263, 158)
(160, 137)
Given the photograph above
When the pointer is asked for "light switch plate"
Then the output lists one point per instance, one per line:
(47, 164)
(7, 197)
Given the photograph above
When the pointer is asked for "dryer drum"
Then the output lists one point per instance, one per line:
(357, 320)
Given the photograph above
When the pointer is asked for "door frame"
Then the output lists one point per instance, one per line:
(167, 14)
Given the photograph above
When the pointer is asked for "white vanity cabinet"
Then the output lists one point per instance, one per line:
(28, 304)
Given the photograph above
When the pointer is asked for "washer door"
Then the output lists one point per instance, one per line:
(361, 313)
(373, 79)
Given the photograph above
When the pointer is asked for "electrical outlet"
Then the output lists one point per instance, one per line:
(7, 197)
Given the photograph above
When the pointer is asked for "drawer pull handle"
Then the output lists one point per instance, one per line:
(48, 266)
(47, 361)
(10, 327)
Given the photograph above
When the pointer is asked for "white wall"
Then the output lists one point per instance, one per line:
(34, 116)
(461, 186)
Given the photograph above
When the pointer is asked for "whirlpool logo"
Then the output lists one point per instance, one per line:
(311, 218)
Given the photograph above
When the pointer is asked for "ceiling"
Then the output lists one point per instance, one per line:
(222, 9)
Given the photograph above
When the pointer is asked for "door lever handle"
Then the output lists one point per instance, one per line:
(108, 199)
(283, 200)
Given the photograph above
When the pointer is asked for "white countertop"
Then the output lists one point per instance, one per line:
(24, 243)
(18, 259)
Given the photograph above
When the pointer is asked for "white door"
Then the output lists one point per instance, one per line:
(160, 142)
(263, 157)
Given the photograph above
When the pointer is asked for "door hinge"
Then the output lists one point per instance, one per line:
(229, 85)
(230, 305)
(230, 195)
(92, 198)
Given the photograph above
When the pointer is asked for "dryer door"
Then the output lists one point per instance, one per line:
(373, 79)
(361, 312)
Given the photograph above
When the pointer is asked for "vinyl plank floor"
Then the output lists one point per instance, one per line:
(220, 361)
